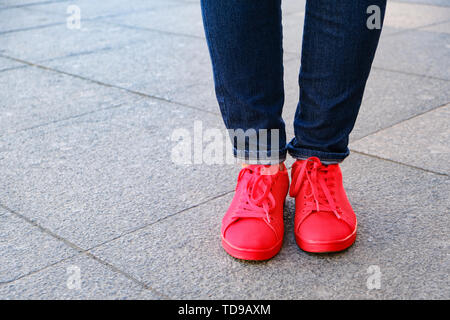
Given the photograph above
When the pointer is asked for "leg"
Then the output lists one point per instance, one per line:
(338, 50)
(244, 39)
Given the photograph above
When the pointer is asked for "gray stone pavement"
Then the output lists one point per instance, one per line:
(88, 190)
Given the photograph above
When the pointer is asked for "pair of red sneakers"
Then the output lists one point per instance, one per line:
(253, 227)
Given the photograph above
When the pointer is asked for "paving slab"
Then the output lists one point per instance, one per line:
(95, 177)
(389, 98)
(26, 249)
(417, 52)
(421, 141)
(405, 235)
(162, 64)
(80, 277)
(32, 97)
(16, 19)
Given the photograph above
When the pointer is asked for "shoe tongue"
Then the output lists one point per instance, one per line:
(256, 188)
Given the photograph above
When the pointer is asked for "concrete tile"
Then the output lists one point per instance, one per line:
(96, 177)
(162, 64)
(418, 52)
(59, 41)
(59, 281)
(180, 19)
(410, 16)
(16, 19)
(404, 234)
(421, 141)
(25, 248)
(32, 96)
(389, 98)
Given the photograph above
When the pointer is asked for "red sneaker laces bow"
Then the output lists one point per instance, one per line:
(313, 172)
(258, 201)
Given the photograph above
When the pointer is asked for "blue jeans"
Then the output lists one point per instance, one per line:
(245, 44)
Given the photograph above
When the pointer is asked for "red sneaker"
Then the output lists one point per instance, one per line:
(253, 227)
(324, 218)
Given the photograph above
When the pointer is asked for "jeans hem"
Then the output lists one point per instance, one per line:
(260, 157)
(325, 157)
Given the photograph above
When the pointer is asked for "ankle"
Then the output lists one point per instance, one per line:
(270, 169)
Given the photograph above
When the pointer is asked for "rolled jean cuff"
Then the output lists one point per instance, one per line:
(260, 157)
(325, 157)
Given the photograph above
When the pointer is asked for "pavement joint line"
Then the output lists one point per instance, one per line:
(400, 163)
(418, 28)
(81, 250)
(43, 26)
(421, 3)
(401, 121)
(160, 220)
(410, 73)
(32, 28)
(64, 119)
(434, 24)
(29, 4)
(13, 68)
(83, 53)
(170, 4)
(374, 67)
(4, 283)
(109, 48)
(126, 274)
(43, 229)
(99, 18)
(169, 33)
(108, 85)
(88, 251)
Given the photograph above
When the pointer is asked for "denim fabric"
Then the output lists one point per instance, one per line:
(245, 43)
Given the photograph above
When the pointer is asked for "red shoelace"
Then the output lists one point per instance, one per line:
(321, 187)
(257, 201)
